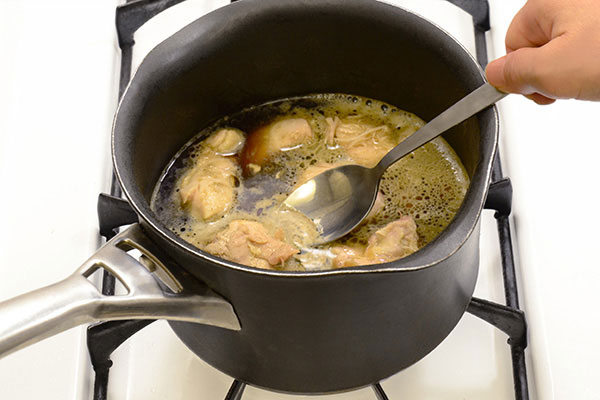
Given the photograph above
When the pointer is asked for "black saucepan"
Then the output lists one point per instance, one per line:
(304, 332)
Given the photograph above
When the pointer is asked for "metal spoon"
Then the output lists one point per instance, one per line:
(338, 199)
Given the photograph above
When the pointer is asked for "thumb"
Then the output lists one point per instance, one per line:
(516, 73)
(494, 72)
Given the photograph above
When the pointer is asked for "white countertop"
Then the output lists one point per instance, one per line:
(58, 77)
(551, 154)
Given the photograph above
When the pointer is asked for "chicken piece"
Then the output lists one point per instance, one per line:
(268, 140)
(289, 133)
(249, 243)
(208, 189)
(346, 256)
(363, 142)
(226, 141)
(395, 240)
(392, 242)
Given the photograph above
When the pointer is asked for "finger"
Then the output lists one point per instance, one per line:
(528, 29)
(495, 73)
(540, 99)
(522, 71)
(515, 72)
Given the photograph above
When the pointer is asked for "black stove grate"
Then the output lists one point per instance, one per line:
(113, 212)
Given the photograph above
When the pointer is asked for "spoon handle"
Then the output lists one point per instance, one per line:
(477, 100)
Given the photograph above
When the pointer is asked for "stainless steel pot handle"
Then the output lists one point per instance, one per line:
(153, 292)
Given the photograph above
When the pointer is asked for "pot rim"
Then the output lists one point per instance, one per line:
(406, 264)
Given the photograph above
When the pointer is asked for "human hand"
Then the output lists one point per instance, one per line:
(553, 51)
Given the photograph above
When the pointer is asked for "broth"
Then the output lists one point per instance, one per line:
(276, 146)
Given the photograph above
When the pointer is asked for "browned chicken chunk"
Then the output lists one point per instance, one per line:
(249, 243)
(365, 143)
(207, 190)
(395, 240)
(392, 242)
(226, 141)
(288, 133)
(268, 140)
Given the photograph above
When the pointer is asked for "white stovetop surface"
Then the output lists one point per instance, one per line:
(58, 80)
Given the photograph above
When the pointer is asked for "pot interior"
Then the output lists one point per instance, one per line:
(252, 52)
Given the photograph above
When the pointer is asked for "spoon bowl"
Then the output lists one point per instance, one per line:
(339, 199)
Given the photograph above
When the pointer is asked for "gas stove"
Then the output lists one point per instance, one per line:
(66, 68)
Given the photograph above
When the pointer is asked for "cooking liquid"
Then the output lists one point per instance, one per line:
(429, 184)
